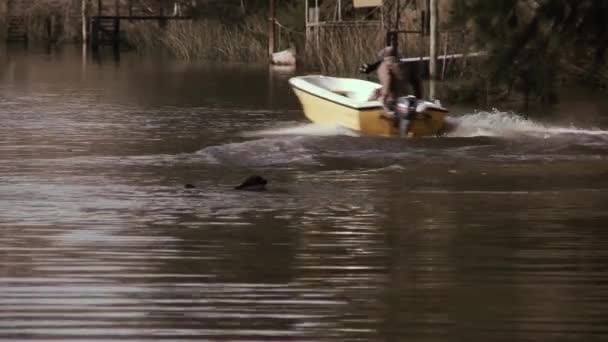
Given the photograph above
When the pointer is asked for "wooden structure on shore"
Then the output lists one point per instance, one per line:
(316, 22)
(19, 15)
(101, 19)
(416, 29)
(105, 25)
(16, 25)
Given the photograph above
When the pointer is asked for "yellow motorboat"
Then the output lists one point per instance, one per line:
(344, 102)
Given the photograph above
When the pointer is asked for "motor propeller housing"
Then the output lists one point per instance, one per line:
(405, 111)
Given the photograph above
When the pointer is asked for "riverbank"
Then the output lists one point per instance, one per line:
(337, 49)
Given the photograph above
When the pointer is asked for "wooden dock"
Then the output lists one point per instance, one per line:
(18, 13)
(16, 20)
(101, 18)
(105, 25)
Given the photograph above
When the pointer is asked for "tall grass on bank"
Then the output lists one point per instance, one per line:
(341, 50)
(203, 40)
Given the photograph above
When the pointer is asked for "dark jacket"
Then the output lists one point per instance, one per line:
(399, 79)
(396, 77)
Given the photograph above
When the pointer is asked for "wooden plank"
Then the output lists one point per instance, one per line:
(451, 56)
(345, 23)
(367, 3)
(141, 17)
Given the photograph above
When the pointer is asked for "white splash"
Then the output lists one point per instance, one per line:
(504, 124)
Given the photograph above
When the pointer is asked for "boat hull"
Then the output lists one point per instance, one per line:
(370, 120)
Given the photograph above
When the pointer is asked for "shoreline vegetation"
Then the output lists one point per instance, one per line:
(209, 40)
(532, 47)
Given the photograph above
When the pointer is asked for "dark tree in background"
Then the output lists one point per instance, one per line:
(533, 44)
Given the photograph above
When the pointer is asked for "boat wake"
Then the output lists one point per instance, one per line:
(283, 145)
(259, 153)
(303, 130)
(315, 144)
(503, 124)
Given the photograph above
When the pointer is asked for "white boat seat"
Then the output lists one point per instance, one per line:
(345, 93)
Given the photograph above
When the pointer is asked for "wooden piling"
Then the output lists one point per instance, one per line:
(433, 48)
(271, 28)
(83, 18)
(162, 23)
(116, 34)
(94, 33)
(116, 31)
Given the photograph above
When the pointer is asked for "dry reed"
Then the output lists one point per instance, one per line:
(203, 40)
(340, 50)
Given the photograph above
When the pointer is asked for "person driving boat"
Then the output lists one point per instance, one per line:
(395, 77)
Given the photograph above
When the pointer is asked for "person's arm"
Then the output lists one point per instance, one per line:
(367, 68)
(384, 77)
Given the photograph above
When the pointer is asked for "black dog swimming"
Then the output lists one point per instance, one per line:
(253, 183)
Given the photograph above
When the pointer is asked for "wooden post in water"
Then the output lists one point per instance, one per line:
(50, 28)
(308, 38)
(116, 34)
(95, 33)
(95, 24)
(84, 21)
(433, 48)
(317, 27)
(271, 28)
(162, 23)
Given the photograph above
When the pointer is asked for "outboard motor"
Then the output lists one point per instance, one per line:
(405, 112)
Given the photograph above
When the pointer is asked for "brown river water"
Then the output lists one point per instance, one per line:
(498, 232)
